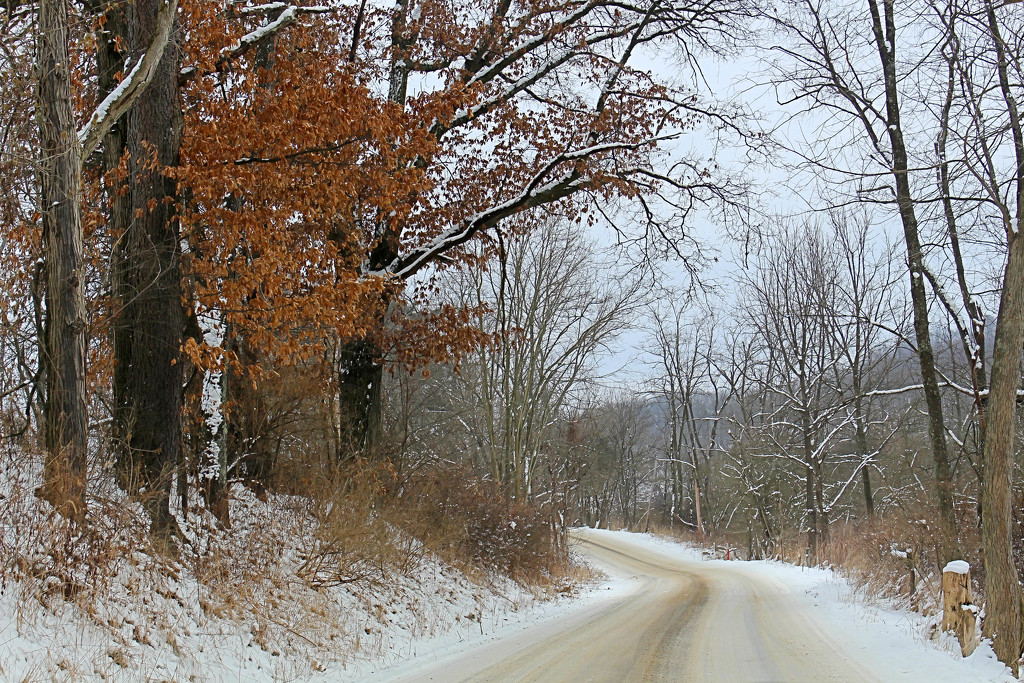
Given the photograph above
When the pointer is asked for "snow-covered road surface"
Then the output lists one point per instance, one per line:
(670, 618)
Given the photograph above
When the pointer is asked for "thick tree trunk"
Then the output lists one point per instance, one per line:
(360, 373)
(1002, 586)
(149, 323)
(1003, 620)
(60, 173)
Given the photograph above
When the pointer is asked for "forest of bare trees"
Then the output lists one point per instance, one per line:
(276, 245)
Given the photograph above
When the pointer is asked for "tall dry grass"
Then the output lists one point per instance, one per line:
(897, 556)
(364, 524)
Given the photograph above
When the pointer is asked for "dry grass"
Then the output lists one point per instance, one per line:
(899, 557)
(364, 527)
(469, 523)
(308, 578)
(895, 556)
(49, 556)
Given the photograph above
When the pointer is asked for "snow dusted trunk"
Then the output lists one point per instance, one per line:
(64, 353)
(211, 470)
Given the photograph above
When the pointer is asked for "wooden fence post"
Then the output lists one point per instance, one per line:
(959, 613)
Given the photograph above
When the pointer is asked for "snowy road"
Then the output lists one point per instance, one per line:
(680, 620)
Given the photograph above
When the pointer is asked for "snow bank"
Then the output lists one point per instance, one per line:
(233, 608)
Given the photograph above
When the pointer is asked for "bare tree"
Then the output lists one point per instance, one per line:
(752, 484)
(61, 196)
(619, 435)
(1004, 185)
(832, 65)
(793, 296)
(63, 146)
(864, 304)
(688, 390)
(552, 315)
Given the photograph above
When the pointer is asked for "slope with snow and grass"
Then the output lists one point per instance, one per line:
(279, 595)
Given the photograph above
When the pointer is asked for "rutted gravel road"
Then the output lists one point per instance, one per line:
(685, 621)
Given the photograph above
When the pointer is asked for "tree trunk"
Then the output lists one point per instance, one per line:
(696, 498)
(819, 499)
(862, 445)
(812, 516)
(869, 501)
(361, 370)
(64, 346)
(1002, 624)
(958, 611)
(885, 42)
(360, 373)
(1003, 620)
(149, 323)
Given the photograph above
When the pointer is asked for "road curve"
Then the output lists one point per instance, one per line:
(685, 621)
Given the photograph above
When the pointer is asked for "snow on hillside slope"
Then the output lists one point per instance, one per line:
(234, 607)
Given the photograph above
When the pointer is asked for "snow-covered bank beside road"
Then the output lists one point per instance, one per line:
(890, 641)
(493, 637)
(165, 629)
(236, 606)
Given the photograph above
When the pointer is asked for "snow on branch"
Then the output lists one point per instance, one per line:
(289, 13)
(963, 326)
(410, 264)
(287, 17)
(536, 192)
(260, 9)
(131, 88)
(519, 85)
(893, 392)
(945, 383)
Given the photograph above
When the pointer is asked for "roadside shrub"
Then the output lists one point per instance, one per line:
(469, 522)
(49, 555)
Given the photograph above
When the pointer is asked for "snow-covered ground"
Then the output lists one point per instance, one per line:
(887, 639)
(548, 616)
(157, 621)
(179, 637)
(234, 607)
